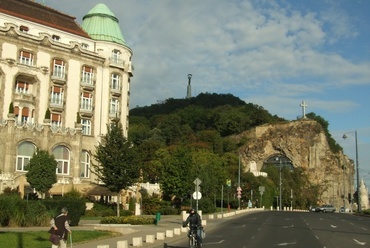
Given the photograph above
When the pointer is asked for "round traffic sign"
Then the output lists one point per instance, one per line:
(197, 195)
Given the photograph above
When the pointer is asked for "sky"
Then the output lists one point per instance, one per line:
(275, 54)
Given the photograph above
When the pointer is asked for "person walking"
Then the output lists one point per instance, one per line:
(195, 224)
(60, 226)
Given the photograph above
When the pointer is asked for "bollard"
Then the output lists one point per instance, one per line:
(137, 241)
(149, 239)
(122, 244)
(160, 236)
(169, 233)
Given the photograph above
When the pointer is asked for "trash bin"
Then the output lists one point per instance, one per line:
(157, 217)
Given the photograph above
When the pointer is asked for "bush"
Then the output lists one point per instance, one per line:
(169, 211)
(207, 206)
(133, 220)
(37, 214)
(17, 212)
(76, 207)
(103, 210)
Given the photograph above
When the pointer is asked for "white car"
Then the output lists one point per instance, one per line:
(327, 209)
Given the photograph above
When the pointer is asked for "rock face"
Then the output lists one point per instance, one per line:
(304, 143)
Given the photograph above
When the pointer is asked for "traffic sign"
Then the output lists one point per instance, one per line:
(197, 195)
(197, 181)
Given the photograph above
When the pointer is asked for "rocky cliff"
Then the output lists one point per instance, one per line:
(304, 143)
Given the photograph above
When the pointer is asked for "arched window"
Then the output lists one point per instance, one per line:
(25, 152)
(62, 156)
(85, 165)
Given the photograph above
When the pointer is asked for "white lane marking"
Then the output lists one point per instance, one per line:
(317, 237)
(288, 226)
(212, 243)
(364, 228)
(358, 242)
(333, 226)
(252, 237)
(285, 244)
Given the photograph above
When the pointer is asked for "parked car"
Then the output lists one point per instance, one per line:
(313, 208)
(327, 209)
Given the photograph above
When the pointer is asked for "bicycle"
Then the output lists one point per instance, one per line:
(193, 243)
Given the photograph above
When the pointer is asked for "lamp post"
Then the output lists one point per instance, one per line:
(357, 171)
(280, 205)
(239, 189)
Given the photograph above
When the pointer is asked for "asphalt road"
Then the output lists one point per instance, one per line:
(287, 229)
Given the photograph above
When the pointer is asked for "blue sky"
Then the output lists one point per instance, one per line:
(271, 53)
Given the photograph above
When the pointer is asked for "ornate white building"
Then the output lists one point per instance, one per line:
(60, 85)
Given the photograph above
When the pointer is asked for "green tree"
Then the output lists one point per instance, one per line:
(117, 161)
(41, 171)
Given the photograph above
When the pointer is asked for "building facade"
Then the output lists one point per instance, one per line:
(60, 85)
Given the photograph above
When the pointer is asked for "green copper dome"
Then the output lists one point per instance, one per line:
(101, 24)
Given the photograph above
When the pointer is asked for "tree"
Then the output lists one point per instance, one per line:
(117, 161)
(41, 171)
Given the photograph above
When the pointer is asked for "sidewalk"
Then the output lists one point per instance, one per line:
(129, 232)
(159, 236)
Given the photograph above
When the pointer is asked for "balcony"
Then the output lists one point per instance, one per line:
(87, 86)
(130, 69)
(24, 97)
(86, 110)
(56, 104)
(117, 63)
(115, 92)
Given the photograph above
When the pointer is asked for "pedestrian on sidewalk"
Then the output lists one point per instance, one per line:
(60, 226)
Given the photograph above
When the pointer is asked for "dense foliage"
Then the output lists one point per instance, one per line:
(16, 212)
(118, 166)
(41, 171)
(179, 140)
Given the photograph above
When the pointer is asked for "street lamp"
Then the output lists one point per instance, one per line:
(279, 158)
(357, 171)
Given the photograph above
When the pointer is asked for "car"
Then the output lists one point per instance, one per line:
(313, 208)
(327, 209)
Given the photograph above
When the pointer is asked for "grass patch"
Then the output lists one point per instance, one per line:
(40, 239)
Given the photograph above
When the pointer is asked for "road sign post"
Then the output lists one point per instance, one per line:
(197, 195)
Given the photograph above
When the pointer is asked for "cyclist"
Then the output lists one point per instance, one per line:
(195, 224)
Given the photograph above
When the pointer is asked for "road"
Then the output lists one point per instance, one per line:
(288, 229)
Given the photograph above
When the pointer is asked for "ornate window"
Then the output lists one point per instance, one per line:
(86, 126)
(23, 29)
(56, 96)
(25, 115)
(56, 119)
(59, 68)
(85, 165)
(114, 107)
(86, 101)
(116, 57)
(25, 58)
(115, 82)
(87, 75)
(21, 87)
(55, 37)
(62, 156)
(25, 152)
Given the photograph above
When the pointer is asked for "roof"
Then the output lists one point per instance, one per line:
(35, 12)
(101, 24)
